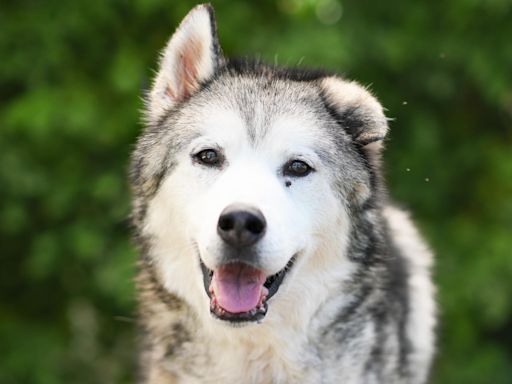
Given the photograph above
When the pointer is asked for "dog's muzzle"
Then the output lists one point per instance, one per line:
(238, 288)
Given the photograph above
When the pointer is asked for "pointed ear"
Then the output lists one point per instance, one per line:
(191, 57)
(358, 111)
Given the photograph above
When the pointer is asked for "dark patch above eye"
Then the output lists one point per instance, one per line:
(209, 157)
(297, 168)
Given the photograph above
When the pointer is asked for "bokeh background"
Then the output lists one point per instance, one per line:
(71, 77)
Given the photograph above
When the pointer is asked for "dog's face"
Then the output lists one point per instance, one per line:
(246, 178)
(250, 188)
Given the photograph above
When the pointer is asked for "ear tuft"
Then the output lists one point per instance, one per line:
(191, 57)
(357, 109)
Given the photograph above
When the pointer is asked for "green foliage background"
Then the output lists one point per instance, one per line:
(71, 76)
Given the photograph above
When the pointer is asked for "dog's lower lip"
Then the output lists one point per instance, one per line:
(272, 284)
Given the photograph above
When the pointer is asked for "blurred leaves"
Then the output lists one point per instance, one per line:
(71, 78)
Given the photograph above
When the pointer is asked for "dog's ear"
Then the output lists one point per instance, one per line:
(357, 110)
(190, 58)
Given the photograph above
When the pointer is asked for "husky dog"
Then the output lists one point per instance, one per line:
(269, 252)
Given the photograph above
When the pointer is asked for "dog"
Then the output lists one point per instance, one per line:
(269, 251)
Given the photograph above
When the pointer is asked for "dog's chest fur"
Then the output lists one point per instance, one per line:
(186, 351)
(271, 360)
(268, 359)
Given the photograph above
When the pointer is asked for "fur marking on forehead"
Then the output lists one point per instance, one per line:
(260, 103)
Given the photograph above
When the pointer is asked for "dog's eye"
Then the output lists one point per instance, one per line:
(297, 168)
(209, 157)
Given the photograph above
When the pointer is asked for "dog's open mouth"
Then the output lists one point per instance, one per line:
(239, 292)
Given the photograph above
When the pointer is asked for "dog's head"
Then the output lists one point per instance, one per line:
(246, 177)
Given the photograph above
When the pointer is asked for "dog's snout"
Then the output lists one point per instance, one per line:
(241, 225)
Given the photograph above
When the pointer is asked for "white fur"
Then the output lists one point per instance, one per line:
(305, 218)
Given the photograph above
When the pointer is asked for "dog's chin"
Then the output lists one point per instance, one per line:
(240, 315)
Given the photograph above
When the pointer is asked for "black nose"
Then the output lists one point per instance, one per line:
(241, 225)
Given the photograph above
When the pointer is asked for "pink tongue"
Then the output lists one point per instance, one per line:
(238, 287)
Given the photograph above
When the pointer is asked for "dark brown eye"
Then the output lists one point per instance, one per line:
(297, 168)
(209, 157)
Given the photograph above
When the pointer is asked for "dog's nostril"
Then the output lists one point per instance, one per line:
(255, 225)
(241, 226)
(226, 223)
